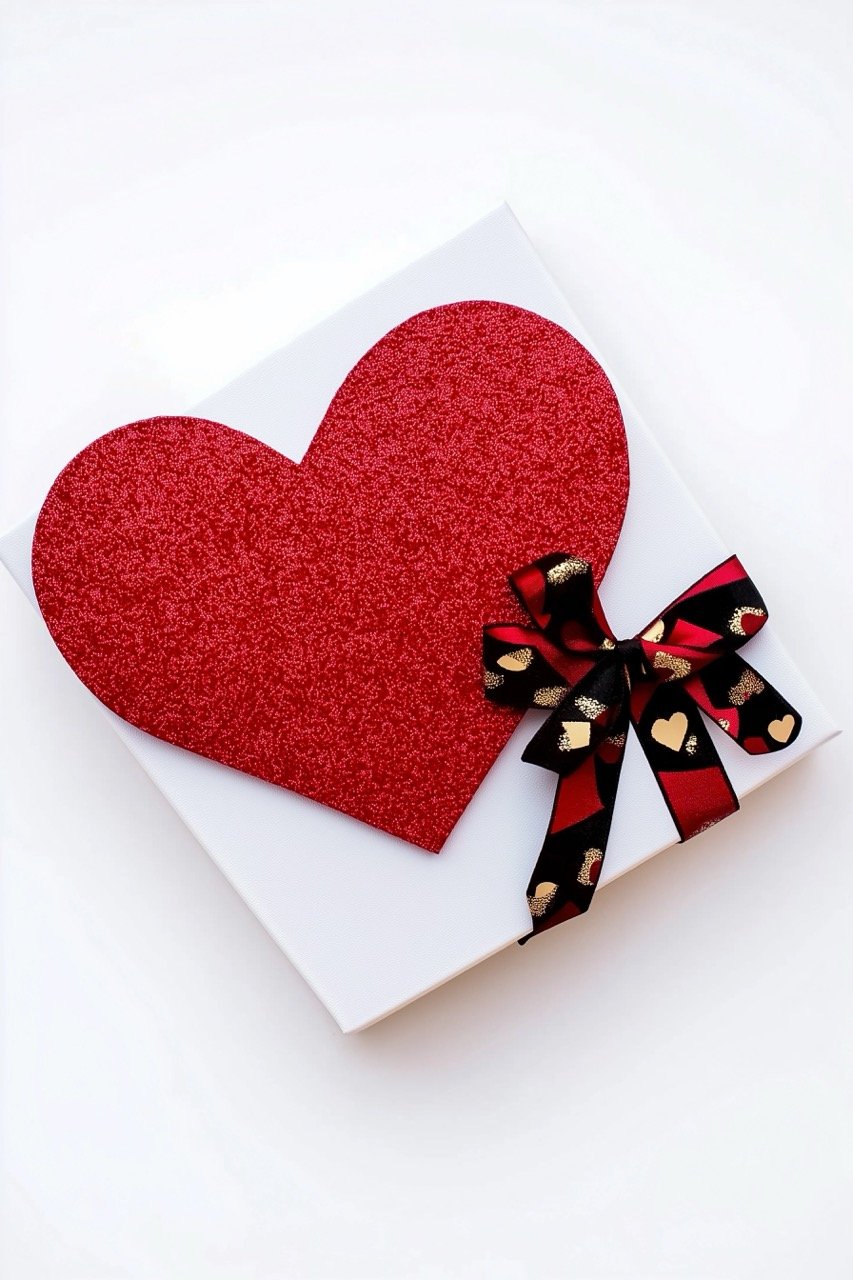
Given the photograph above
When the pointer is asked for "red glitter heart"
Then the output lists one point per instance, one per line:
(318, 625)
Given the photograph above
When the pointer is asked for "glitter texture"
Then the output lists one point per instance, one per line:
(319, 625)
(679, 667)
(589, 707)
(749, 684)
(739, 623)
(551, 696)
(590, 858)
(541, 899)
(566, 569)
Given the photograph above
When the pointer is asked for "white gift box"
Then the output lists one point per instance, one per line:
(370, 921)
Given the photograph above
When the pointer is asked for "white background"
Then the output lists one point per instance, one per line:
(186, 186)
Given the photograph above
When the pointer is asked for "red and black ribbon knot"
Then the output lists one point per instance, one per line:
(685, 661)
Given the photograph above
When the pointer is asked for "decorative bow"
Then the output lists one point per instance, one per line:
(685, 660)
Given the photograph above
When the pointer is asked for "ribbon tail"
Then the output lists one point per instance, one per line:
(570, 861)
(744, 705)
(684, 760)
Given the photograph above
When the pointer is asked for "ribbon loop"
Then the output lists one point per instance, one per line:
(584, 718)
(595, 686)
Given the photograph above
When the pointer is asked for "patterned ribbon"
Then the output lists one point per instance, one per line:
(685, 660)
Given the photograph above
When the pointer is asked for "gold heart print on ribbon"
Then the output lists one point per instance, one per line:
(672, 732)
(781, 730)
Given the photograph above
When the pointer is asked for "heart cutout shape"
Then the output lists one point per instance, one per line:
(672, 732)
(781, 730)
(318, 625)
